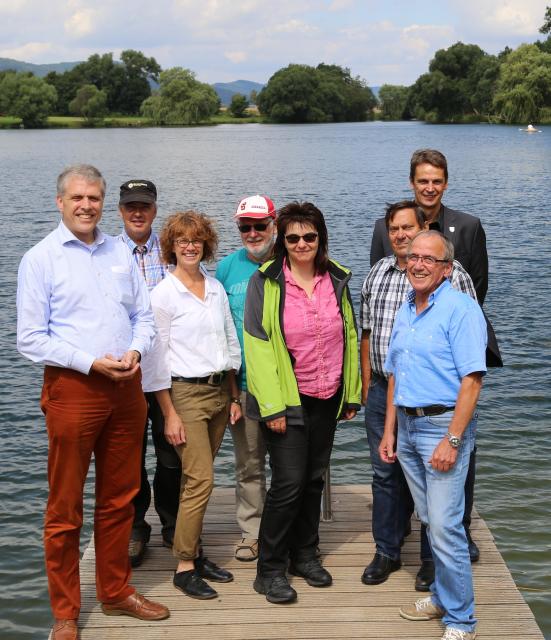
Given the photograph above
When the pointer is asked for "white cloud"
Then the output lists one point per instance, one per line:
(12, 7)
(236, 56)
(29, 52)
(490, 18)
(81, 23)
(294, 26)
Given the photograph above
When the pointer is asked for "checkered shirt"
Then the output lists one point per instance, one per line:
(155, 268)
(383, 292)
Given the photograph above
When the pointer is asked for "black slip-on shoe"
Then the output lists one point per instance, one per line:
(378, 570)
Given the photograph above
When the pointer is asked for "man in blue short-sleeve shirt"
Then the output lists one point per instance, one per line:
(255, 217)
(436, 361)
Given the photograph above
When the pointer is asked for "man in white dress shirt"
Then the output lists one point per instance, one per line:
(83, 311)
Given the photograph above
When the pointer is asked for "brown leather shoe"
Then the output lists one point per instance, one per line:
(136, 606)
(64, 630)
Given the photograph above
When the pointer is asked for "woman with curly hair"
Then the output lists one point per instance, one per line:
(195, 361)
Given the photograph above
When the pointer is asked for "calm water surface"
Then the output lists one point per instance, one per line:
(349, 171)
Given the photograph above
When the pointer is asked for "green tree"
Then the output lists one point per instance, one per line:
(90, 103)
(126, 83)
(546, 26)
(24, 96)
(394, 99)
(238, 106)
(483, 83)
(181, 99)
(436, 98)
(460, 83)
(523, 88)
(327, 93)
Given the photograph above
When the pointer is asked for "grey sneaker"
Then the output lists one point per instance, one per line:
(423, 609)
(452, 633)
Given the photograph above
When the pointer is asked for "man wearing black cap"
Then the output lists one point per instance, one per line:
(138, 208)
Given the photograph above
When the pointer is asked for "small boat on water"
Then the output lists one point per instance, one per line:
(531, 129)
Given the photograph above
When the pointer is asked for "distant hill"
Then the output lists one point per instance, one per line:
(226, 90)
(39, 70)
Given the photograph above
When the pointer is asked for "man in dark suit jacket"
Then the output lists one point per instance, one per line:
(429, 181)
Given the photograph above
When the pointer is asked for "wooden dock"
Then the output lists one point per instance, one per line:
(348, 609)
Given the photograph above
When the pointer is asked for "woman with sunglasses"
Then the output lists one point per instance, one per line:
(195, 360)
(301, 352)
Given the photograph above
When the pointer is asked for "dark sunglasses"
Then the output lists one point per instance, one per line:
(257, 226)
(294, 238)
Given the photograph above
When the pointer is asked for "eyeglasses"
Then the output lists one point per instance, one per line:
(294, 238)
(257, 226)
(428, 261)
(184, 242)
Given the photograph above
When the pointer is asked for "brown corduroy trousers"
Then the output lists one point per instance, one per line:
(85, 415)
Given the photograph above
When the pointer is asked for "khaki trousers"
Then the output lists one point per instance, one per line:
(85, 415)
(204, 410)
(249, 449)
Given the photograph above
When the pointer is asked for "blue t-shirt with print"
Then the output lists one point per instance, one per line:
(234, 272)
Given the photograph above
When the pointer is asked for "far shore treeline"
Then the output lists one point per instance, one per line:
(463, 84)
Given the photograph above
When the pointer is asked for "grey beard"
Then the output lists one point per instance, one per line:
(262, 254)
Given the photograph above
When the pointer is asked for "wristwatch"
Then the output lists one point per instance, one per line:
(453, 440)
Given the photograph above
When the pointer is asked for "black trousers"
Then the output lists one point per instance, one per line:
(298, 459)
(166, 481)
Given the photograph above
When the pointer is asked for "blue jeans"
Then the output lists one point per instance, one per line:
(392, 501)
(440, 502)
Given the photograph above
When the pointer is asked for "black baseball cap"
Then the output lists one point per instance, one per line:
(138, 191)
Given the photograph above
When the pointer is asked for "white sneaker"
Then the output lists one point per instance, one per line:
(452, 633)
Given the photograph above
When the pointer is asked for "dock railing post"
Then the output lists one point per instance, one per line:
(326, 510)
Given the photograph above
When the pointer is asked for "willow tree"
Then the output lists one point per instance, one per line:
(181, 99)
(523, 89)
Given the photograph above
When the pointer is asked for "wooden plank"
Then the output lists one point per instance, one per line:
(347, 610)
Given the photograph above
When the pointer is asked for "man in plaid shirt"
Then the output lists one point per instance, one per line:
(138, 208)
(383, 293)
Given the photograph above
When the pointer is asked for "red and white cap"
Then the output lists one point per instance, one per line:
(255, 207)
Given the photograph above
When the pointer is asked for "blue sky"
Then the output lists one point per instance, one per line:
(224, 40)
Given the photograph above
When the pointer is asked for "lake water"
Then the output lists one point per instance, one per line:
(349, 171)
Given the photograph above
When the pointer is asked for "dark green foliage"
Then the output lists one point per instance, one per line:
(90, 103)
(461, 82)
(126, 84)
(546, 26)
(24, 96)
(393, 100)
(238, 106)
(326, 93)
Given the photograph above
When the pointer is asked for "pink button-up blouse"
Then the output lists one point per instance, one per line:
(314, 335)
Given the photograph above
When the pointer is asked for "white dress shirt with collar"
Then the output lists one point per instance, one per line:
(195, 337)
(78, 302)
